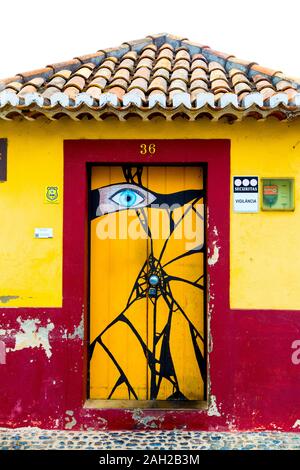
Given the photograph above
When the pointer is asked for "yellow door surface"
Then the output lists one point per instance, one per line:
(147, 283)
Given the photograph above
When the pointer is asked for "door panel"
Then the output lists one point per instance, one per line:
(147, 340)
(115, 263)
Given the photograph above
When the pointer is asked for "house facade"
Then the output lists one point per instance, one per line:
(149, 242)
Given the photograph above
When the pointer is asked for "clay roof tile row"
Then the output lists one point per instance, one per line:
(160, 70)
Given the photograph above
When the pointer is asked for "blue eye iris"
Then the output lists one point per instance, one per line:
(127, 198)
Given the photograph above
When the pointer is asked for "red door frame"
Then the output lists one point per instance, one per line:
(79, 154)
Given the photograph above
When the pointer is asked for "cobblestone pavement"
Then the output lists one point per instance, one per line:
(35, 439)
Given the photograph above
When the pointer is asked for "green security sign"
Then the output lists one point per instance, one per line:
(278, 194)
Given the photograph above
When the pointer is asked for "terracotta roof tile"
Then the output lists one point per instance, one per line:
(220, 85)
(148, 53)
(124, 74)
(27, 89)
(50, 91)
(182, 54)
(267, 92)
(219, 94)
(199, 64)
(258, 78)
(118, 91)
(239, 78)
(199, 74)
(199, 84)
(36, 82)
(233, 71)
(16, 78)
(178, 85)
(69, 65)
(95, 58)
(85, 72)
(103, 72)
(145, 63)
(221, 55)
(99, 82)
(263, 84)
(241, 87)
(135, 96)
(77, 82)
(163, 70)
(164, 64)
(139, 83)
(182, 64)
(215, 66)
(109, 64)
(247, 64)
(127, 64)
(130, 55)
(142, 72)
(71, 92)
(217, 74)
(283, 85)
(162, 73)
(264, 70)
(166, 45)
(118, 82)
(165, 53)
(291, 93)
(159, 83)
(157, 97)
(181, 74)
(44, 72)
(58, 82)
(243, 95)
(14, 86)
(94, 91)
(63, 73)
(195, 45)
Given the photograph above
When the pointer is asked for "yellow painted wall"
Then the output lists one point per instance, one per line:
(265, 254)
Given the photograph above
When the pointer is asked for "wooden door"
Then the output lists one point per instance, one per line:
(147, 283)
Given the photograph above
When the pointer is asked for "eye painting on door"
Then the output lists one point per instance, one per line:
(147, 283)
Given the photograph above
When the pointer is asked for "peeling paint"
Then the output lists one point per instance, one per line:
(213, 254)
(296, 424)
(213, 259)
(77, 333)
(102, 422)
(146, 420)
(4, 299)
(213, 408)
(215, 231)
(2, 353)
(209, 318)
(33, 336)
(70, 420)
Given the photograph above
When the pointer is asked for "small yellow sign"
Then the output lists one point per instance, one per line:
(52, 195)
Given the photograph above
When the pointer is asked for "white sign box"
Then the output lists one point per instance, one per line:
(245, 194)
(43, 233)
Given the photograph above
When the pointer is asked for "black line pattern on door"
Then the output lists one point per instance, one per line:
(160, 365)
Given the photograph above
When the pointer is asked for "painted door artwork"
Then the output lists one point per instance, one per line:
(147, 283)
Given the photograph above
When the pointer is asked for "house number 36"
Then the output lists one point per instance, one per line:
(146, 149)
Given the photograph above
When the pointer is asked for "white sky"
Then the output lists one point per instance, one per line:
(34, 33)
